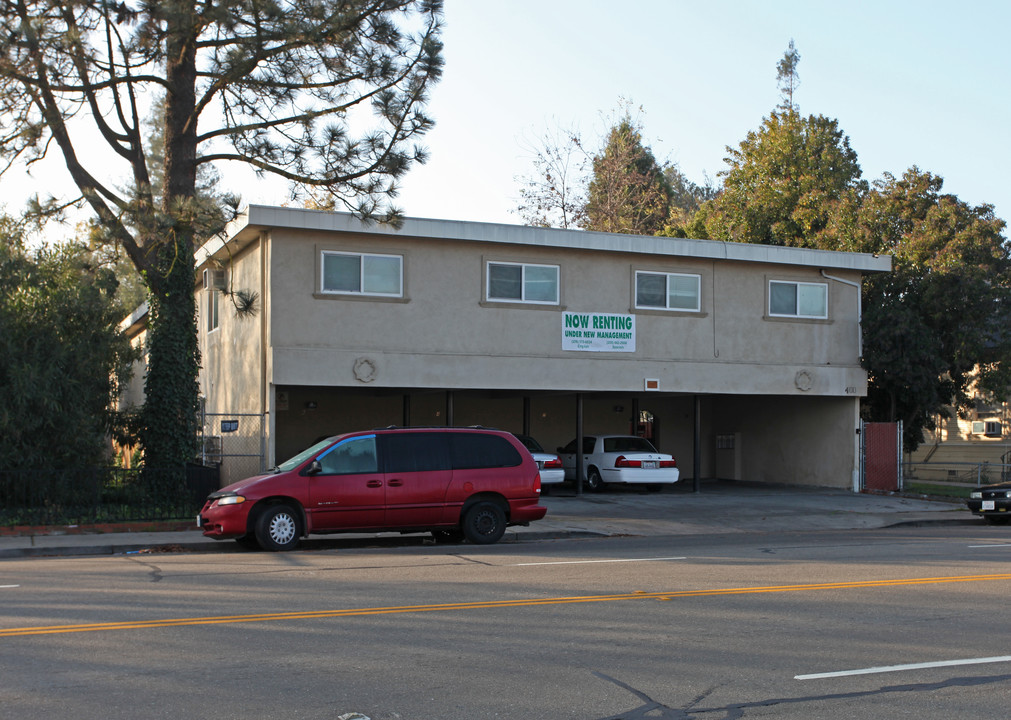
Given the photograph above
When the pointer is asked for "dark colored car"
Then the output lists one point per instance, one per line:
(992, 502)
(454, 482)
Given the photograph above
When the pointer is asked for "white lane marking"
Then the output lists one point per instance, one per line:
(989, 546)
(898, 668)
(588, 562)
(9, 586)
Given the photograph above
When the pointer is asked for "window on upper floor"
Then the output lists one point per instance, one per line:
(990, 428)
(213, 299)
(798, 299)
(522, 282)
(668, 291)
(362, 274)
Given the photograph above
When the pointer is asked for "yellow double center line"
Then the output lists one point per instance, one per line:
(490, 604)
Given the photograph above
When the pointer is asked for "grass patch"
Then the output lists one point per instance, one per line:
(952, 491)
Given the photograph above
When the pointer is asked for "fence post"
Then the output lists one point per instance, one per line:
(898, 459)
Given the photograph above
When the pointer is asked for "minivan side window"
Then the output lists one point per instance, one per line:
(415, 452)
(354, 456)
(479, 450)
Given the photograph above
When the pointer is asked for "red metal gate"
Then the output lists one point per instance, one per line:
(881, 445)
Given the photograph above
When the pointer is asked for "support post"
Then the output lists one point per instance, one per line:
(579, 444)
(697, 460)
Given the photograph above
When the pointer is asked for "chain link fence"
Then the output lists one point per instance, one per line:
(956, 473)
(234, 443)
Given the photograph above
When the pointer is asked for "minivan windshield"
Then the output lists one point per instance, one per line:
(304, 455)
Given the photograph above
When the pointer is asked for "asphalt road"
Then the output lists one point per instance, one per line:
(888, 623)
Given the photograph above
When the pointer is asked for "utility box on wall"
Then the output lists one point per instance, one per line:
(728, 456)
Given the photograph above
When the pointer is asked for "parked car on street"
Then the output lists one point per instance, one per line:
(549, 464)
(620, 459)
(454, 482)
(992, 502)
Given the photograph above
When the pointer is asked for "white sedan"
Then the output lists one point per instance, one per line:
(549, 464)
(620, 459)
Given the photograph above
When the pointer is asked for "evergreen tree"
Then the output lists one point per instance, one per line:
(63, 358)
(628, 192)
(786, 75)
(935, 328)
(274, 84)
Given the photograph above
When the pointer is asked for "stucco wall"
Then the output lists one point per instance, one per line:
(788, 389)
(231, 356)
(442, 334)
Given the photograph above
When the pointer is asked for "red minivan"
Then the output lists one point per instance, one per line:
(454, 482)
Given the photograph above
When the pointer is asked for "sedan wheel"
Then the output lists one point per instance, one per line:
(593, 480)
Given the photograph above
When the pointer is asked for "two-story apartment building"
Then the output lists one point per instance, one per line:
(752, 351)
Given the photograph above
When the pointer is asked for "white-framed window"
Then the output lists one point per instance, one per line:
(668, 291)
(522, 282)
(990, 428)
(798, 299)
(361, 274)
(213, 309)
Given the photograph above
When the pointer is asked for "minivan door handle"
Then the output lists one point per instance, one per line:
(396, 482)
(374, 483)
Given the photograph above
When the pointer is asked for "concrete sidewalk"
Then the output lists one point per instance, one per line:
(720, 507)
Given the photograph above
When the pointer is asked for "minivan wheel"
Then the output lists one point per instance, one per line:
(277, 528)
(484, 523)
(593, 480)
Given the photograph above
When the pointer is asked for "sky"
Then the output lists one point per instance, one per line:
(920, 82)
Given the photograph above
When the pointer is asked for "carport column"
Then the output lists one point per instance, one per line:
(526, 414)
(697, 449)
(407, 411)
(579, 443)
(449, 408)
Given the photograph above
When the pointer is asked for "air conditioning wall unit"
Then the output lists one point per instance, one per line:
(989, 428)
(214, 279)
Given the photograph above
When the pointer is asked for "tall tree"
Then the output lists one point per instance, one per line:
(782, 181)
(555, 194)
(62, 355)
(936, 327)
(628, 191)
(686, 199)
(280, 85)
(787, 76)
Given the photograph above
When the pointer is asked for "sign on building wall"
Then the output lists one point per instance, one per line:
(598, 332)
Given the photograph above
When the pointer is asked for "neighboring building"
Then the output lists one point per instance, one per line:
(755, 349)
(958, 444)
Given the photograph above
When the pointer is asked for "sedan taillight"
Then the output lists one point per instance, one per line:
(624, 462)
(555, 462)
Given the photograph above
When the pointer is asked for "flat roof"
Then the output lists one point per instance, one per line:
(256, 218)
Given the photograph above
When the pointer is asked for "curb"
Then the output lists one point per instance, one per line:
(224, 546)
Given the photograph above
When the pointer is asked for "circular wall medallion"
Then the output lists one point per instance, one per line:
(803, 381)
(365, 370)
